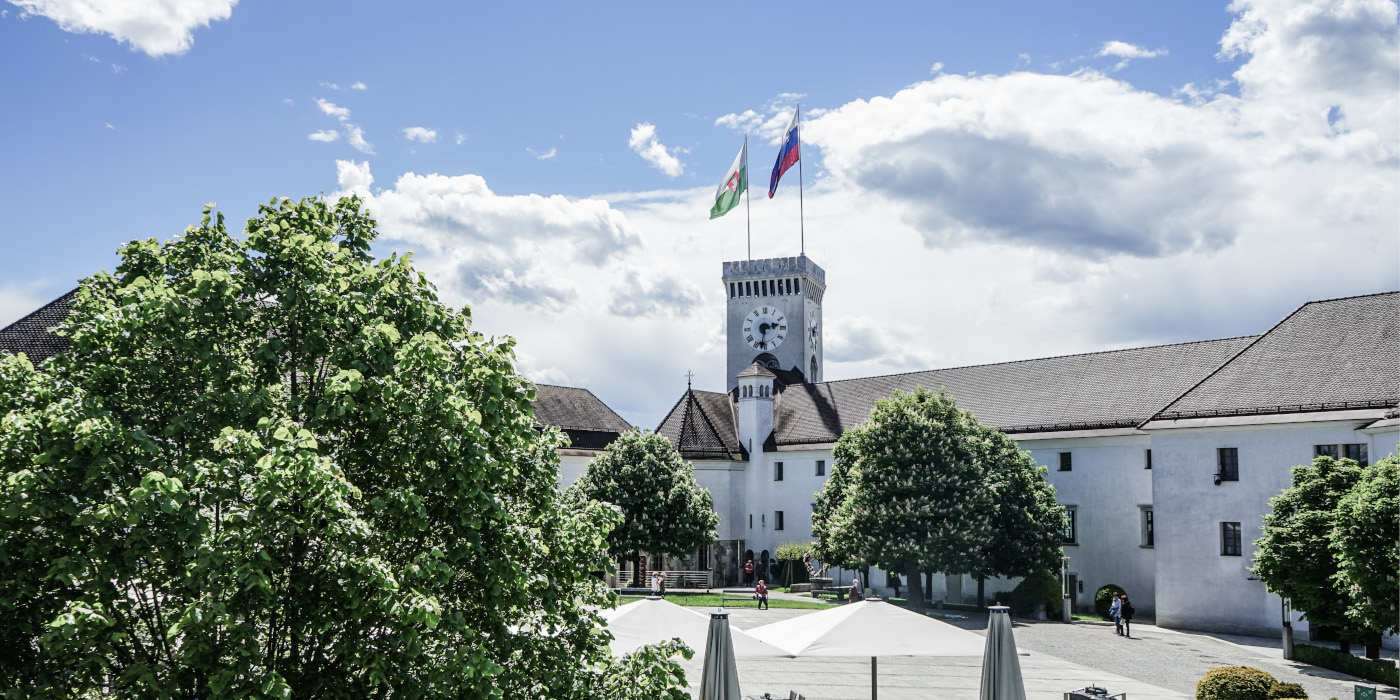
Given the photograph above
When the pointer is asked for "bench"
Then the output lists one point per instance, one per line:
(840, 593)
(736, 594)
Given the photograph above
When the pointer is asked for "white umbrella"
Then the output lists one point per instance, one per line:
(653, 620)
(720, 678)
(869, 628)
(1001, 667)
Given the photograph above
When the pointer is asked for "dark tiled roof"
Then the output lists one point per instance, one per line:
(589, 423)
(702, 425)
(1327, 355)
(1118, 388)
(33, 335)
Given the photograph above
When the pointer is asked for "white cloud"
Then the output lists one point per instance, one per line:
(332, 109)
(770, 122)
(109, 126)
(937, 68)
(966, 220)
(288, 101)
(645, 144)
(420, 134)
(542, 155)
(325, 136)
(1122, 49)
(20, 300)
(461, 138)
(482, 245)
(154, 27)
(357, 85)
(355, 136)
(330, 86)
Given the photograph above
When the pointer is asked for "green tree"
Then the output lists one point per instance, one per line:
(274, 466)
(1293, 558)
(664, 510)
(1368, 518)
(909, 491)
(1028, 523)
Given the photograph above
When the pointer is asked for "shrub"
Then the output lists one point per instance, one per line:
(1235, 683)
(1377, 671)
(1039, 587)
(1103, 598)
(1288, 691)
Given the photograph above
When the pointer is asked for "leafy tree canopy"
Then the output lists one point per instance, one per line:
(1368, 518)
(1293, 557)
(664, 510)
(922, 486)
(277, 467)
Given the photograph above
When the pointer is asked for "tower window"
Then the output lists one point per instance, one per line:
(732, 293)
(1149, 459)
(748, 289)
(797, 285)
(1071, 534)
(777, 471)
(777, 520)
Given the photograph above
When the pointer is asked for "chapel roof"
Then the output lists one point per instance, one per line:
(1327, 355)
(755, 370)
(703, 425)
(33, 335)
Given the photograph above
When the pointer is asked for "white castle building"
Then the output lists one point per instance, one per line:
(1165, 457)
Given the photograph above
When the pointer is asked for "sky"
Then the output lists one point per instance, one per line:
(982, 182)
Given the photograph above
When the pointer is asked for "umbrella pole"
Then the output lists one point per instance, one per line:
(874, 675)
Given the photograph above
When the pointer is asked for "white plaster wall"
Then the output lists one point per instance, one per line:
(572, 466)
(1197, 587)
(1109, 484)
(725, 482)
(794, 495)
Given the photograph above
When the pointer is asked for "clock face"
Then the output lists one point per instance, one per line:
(813, 331)
(765, 328)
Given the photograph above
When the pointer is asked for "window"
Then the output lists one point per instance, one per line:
(732, 292)
(702, 560)
(797, 286)
(1228, 459)
(1229, 539)
(777, 471)
(1149, 459)
(1356, 452)
(748, 289)
(750, 521)
(777, 520)
(1071, 525)
(821, 467)
(1148, 538)
(788, 285)
(1325, 451)
(1066, 461)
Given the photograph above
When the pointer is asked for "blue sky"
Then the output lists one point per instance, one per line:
(1047, 179)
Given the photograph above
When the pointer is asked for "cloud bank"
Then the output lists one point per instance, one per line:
(153, 27)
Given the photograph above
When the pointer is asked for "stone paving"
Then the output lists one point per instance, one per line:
(1156, 664)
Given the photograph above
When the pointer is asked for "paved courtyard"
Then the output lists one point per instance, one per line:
(1156, 664)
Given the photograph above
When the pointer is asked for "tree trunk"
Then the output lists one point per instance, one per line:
(914, 598)
(928, 586)
(981, 591)
(636, 569)
(1373, 648)
(1344, 645)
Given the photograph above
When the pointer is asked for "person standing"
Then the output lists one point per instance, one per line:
(656, 583)
(748, 573)
(1126, 612)
(775, 570)
(1113, 611)
(857, 593)
(895, 583)
(760, 593)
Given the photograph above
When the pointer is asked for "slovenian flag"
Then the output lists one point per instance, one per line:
(735, 183)
(788, 156)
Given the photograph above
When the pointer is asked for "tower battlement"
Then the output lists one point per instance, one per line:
(771, 267)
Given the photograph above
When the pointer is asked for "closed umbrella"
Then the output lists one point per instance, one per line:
(720, 680)
(869, 628)
(1001, 666)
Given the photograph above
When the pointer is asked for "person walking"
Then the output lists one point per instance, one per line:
(1126, 612)
(1113, 611)
(748, 573)
(760, 593)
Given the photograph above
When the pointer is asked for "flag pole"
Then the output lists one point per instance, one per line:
(748, 219)
(801, 216)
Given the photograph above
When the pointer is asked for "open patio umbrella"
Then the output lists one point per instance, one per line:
(720, 679)
(653, 620)
(869, 628)
(1001, 667)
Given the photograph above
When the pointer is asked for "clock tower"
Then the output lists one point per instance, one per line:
(775, 316)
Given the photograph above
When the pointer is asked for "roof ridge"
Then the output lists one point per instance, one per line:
(41, 309)
(1354, 296)
(1038, 359)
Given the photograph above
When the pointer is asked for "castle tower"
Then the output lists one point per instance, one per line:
(775, 316)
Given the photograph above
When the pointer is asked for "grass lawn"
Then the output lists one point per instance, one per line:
(711, 600)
